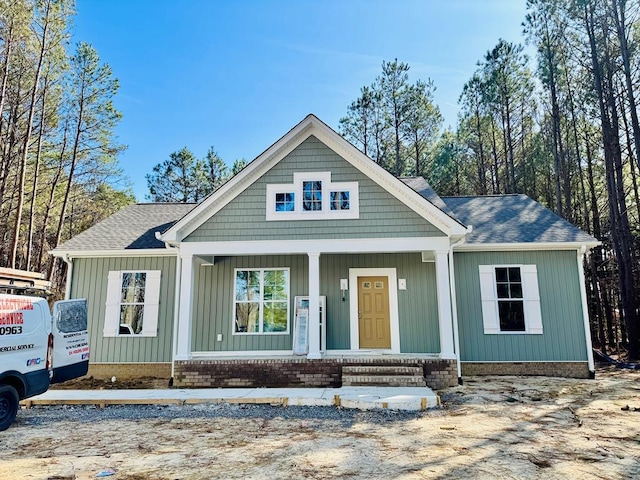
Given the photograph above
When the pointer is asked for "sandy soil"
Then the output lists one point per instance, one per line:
(492, 427)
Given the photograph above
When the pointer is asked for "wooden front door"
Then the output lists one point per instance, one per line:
(374, 324)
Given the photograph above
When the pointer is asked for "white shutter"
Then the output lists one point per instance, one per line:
(532, 313)
(490, 318)
(151, 304)
(112, 309)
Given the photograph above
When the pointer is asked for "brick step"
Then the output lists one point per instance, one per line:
(382, 370)
(383, 380)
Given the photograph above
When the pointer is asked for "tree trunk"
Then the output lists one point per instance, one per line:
(27, 140)
(36, 174)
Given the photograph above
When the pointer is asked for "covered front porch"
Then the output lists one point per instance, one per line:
(414, 274)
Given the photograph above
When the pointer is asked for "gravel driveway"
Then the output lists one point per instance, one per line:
(492, 427)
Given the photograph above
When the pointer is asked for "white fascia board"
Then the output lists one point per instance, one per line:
(391, 184)
(143, 252)
(528, 246)
(238, 183)
(286, 247)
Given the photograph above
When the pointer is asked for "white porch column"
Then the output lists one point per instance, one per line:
(183, 350)
(314, 306)
(444, 305)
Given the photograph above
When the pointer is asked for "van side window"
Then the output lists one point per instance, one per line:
(70, 316)
(133, 299)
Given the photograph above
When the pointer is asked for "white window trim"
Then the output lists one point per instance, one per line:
(327, 187)
(530, 299)
(151, 304)
(233, 301)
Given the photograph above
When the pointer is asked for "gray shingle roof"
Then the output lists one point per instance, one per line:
(512, 219)
(421, 186)
(133, 227)
(495, 219)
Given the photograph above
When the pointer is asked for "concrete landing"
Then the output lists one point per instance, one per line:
(363, 398)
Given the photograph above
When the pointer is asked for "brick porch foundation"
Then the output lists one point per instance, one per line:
(296, 372)
(549, 369)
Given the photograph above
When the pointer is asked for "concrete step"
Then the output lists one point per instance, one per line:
(383, 380)
(382, 370)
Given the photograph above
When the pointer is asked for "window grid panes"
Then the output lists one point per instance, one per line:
(312, 196)
(510, 299)
(339, 200)
(132, 294)
(262, 301)
(285, 202)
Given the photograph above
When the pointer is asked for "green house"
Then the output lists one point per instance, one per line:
(314, 258)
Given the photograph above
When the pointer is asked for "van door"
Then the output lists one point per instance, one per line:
(70, 357)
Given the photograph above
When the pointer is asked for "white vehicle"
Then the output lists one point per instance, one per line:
(37, 349)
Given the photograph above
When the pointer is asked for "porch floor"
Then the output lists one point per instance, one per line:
(363, 398)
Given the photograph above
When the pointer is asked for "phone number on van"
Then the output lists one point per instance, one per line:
(10, 330)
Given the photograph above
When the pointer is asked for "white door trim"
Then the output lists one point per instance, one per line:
(394, 318)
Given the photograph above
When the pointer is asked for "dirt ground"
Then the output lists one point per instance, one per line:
(492, 427)
(89, 383)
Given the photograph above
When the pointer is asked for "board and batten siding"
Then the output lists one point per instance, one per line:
(381, 214)
(214, 290)
(563, 337)
(213, 303)
(89, 280)
(417, 305)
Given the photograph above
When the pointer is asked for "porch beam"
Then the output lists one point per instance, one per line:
(302, 247)
(183, 350)
(314, 306)
(444, 305)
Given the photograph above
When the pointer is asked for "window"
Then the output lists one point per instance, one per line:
(339, 200)
(133, 299)
(510, 299)
(132, 302)
(261, 301)
(312, 196)
(285, 202)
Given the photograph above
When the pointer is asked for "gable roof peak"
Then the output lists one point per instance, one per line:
(310, 125)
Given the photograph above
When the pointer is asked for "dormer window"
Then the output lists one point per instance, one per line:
(312, 196)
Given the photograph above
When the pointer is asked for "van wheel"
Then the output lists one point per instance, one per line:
(9, 403)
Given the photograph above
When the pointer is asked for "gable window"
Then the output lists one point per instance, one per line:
(340, 200)
(312, 196)
(261, 301)
(510, 299)
(132, 305)
(285, 202)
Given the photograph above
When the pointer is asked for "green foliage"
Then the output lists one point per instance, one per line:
(184, 179)
(393, 121)
(60, 105)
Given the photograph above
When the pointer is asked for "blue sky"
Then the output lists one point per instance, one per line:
(237, 75)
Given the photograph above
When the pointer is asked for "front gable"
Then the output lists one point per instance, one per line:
(374, 212)
(309, 139)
